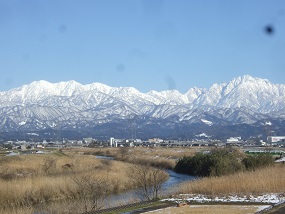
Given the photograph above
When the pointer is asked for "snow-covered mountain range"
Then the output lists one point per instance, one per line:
(70, 105)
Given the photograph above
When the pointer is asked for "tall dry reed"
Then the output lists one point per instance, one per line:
(156, 156)
(266, 180)
(34, 179)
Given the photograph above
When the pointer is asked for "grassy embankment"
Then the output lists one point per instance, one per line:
(155, 156)
(260, 181)
(32, 180)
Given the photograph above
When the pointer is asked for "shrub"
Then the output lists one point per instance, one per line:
(218, 162)
(252, 162)
(224, 162)
(196, 165)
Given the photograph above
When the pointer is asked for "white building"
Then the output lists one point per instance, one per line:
(112, 142)
(276, 139)
(233, 139)
(155, 140)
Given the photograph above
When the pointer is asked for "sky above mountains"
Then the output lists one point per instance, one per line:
(147, 44)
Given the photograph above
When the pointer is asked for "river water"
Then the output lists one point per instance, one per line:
(168, 188)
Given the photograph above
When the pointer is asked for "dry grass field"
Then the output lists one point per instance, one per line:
(266, 180)
(156, 156)
(58, 179)
(28, 181)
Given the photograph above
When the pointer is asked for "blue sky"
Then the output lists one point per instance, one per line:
(146, 44)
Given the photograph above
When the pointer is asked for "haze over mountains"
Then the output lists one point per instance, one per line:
(106, 111)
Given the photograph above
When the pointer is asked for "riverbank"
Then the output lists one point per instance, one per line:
(168, 187)
(64, 182)
(27, 181)
(243, 187)
(155, 156)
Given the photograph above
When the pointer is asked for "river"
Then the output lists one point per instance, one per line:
(168, 188)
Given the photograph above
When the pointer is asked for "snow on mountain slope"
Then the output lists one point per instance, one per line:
(243, 100)
(209, 123)
(258, 94)
(193, 93)
(254, 93)
(171, 97)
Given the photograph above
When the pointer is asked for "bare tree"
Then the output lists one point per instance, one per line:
(148, 180)
(92, 191)
(157, 178)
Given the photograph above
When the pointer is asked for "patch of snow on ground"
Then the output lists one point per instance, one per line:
(258, 207)
(271, 198)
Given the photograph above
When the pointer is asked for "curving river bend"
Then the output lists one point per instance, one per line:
(168, 188)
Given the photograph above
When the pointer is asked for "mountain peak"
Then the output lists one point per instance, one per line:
(99, 87)
(248, 78)
(39, 83)
(241, 79)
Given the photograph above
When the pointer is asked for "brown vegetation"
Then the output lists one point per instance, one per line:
(266, 180)
(155, 156)
(148, 181)
(31, 180)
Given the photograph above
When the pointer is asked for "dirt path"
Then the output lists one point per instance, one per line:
(280, 209)
(211, 209)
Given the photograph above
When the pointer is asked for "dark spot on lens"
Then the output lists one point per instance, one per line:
(269, 29)
(62, 28)
(120, 68)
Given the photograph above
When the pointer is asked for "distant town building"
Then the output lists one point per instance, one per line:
(262, 143)
(88, 140)
(234, 140)
(40, 146)
(155, 140)
(112, 142)
(276, 139)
